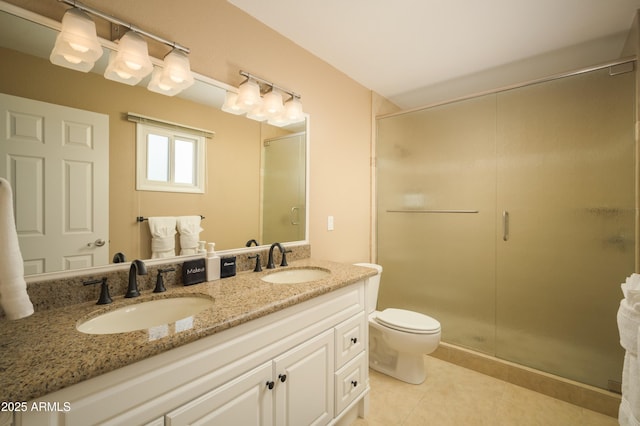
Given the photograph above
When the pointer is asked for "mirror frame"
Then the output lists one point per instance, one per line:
(201, 83)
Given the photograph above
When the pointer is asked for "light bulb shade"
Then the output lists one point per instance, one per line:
(279, 120)
(160, 84)
(174, 77)
(131, 62)
(257, 113)
(178, 69)
(293, 110)
(77, 46)
(230, 105)
(273, 104)
(248, 95)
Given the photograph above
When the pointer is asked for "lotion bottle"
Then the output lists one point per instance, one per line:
(213, 263)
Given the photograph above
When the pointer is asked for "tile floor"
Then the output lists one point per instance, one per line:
(454, 395)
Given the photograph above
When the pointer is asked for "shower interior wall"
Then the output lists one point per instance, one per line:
(510, 217)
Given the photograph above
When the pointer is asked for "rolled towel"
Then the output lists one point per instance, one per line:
(163, 231)
(630, 404)
(631, 289)
(628, 326)
(189, 228)
(13, 288)
(625, 415)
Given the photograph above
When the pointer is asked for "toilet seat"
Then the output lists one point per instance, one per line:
(408, 321)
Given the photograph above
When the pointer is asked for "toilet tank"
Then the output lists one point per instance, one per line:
(372, 286)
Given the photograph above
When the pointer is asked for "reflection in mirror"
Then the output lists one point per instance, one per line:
(244, 197)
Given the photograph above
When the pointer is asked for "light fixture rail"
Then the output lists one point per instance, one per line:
(118, 21)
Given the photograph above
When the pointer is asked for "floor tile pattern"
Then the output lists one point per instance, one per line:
(454, 395)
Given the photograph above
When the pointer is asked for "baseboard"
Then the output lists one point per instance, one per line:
(557, 387)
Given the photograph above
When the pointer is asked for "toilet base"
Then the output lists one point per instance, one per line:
(408, 367)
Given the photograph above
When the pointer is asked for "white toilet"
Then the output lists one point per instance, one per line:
(398, 338)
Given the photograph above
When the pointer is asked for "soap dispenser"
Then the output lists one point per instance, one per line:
(201, 249)
(213, 263)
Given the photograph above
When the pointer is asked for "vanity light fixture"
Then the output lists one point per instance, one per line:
(77, 47)
(248, 95)
(293, 110)
(262, 100)
(130, 63)
(174, 77)
(273, 106)
(230, 104)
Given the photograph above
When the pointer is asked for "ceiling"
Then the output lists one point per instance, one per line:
(401, 48)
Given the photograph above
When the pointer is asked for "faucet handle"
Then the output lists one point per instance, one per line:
(160, 280)
(105, 297)
(258, 267)
(284, 257)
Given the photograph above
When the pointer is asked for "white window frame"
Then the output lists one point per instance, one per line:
(144, 184)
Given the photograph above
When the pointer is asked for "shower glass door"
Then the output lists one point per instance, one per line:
(436, 203)
(566, 183)
(510, 218)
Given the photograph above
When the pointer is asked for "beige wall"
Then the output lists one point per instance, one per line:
(223, 40)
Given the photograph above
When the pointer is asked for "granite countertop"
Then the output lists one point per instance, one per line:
(44, 352)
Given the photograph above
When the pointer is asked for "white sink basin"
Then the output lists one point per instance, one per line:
(296, 276)
(144, 315)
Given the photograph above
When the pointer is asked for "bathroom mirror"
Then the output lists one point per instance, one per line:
(237, 198)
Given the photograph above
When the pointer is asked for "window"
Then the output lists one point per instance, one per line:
(168, 159)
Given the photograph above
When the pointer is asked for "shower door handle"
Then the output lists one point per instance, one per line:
(294, 215)
(505, 225)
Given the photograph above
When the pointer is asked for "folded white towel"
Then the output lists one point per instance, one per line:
(13, 288)
(163, 231)
(628, 326)
(189, 228)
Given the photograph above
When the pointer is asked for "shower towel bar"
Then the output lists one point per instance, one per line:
(433, 211)
(142, 218)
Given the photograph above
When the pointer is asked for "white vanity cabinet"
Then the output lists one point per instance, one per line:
(295, 389)
(305, 364)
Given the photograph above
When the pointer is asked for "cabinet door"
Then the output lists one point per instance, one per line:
(304, 383)
(246, 400)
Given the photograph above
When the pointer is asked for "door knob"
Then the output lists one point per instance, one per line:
(98, 243)
(282, 377)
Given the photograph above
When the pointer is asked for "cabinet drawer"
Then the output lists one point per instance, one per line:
(350, 338)
(351, 381)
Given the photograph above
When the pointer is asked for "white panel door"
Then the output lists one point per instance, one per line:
(57, 160)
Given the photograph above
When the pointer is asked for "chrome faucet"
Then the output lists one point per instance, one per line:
(137, 268)
(270, 264)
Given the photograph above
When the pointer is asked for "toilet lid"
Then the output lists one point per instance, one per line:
(409, 321)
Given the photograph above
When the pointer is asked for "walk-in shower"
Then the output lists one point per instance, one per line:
(510, 217)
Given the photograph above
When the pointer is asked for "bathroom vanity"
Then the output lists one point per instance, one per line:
(264, 353)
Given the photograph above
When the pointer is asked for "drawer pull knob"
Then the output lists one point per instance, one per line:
(354, 383)
(354, 340)
(270, 384)
(282, 377)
